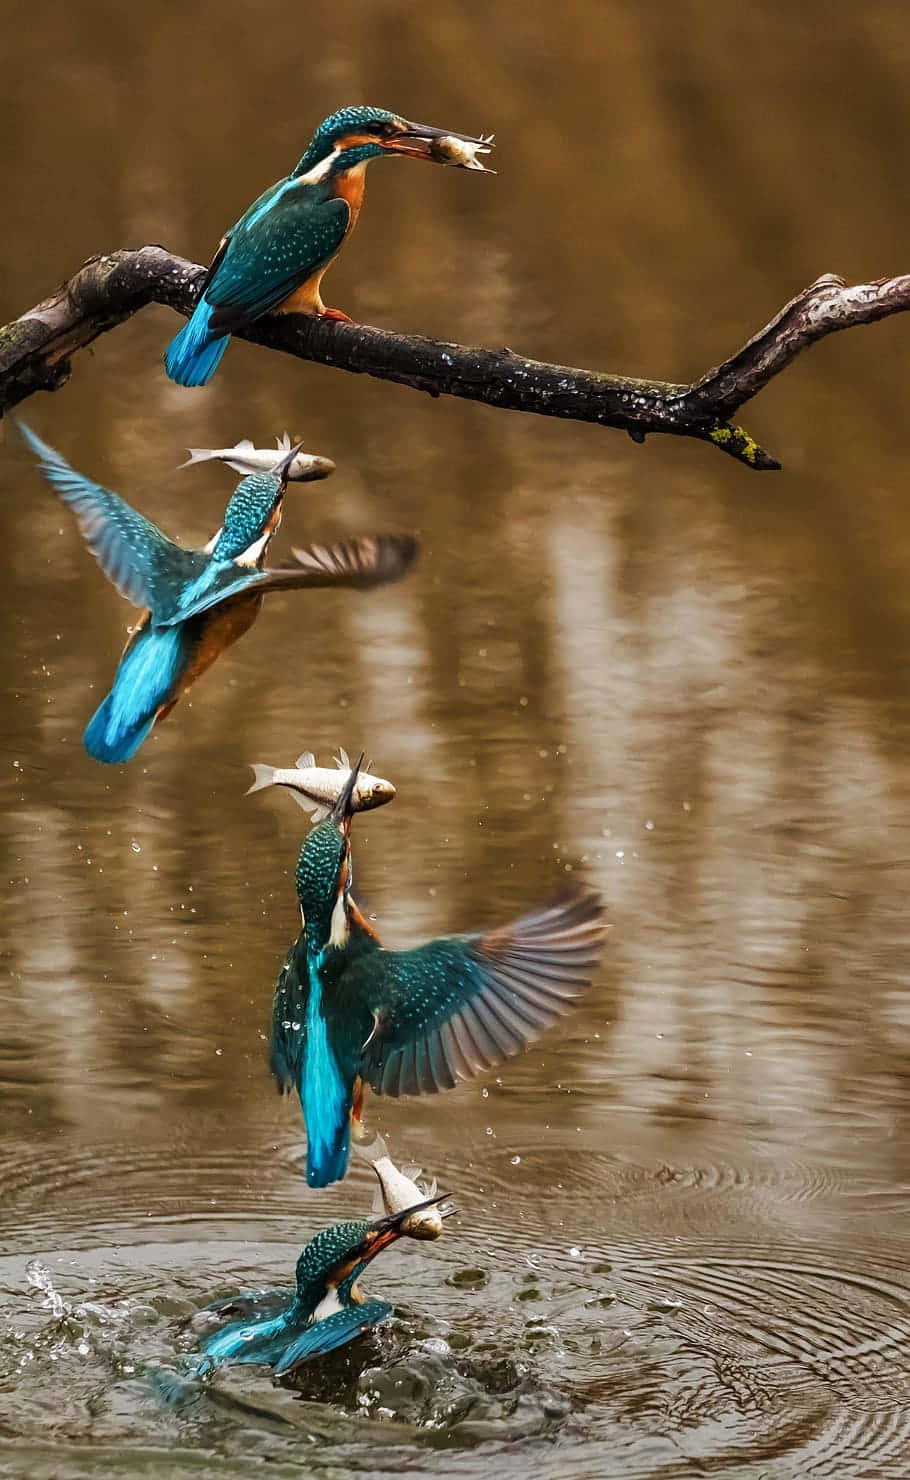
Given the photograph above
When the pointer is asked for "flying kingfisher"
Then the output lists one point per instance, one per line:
(274, 258)
(196, 602)
(347, 1012)
(283, 1328)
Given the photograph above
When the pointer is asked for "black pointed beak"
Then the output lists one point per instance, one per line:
(386, 1230)
(417, 139)
(342, 811)
(283, 467)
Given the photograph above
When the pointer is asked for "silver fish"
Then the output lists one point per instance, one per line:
(462, 152)
(398, 1190)
(245, 458)
(317, 788)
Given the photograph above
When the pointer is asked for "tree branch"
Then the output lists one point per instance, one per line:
(35, 352)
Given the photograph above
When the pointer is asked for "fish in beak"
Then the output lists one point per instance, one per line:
(283, 466)
(439, 145)
(404, 1224)
(344, 808)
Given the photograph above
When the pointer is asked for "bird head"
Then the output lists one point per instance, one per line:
(337, 1256)
(253, 514)
(352, 136)
(324, 872)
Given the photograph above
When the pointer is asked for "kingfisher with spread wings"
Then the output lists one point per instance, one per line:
(347, 1012)
(198, 602)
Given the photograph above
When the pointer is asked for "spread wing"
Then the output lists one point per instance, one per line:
(283, 238)
(457, 1006)
(328, 1335)
(369, 560)
(133, 553)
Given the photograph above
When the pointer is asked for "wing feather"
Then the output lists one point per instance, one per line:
(133, 552)
(335, 1331)
(280, 242)
(460, 1005)
(361, 562)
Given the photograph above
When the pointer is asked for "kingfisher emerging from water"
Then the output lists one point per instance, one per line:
(196, 602)
(284, 1328)
(274, 259)
(348, 1012)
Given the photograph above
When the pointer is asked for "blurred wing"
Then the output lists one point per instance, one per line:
(133, 553)
(283, 238)
(457, 1006)
(328, 1335)
(287, 1042)
(369, 560)
(259, 1305)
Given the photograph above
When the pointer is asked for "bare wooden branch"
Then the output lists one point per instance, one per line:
(35, 352)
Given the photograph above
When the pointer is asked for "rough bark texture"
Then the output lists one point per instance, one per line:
(35, 352)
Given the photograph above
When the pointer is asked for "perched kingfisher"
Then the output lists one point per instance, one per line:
(284, 1328)
(196, 602)
(348, 1012)
(274, 258)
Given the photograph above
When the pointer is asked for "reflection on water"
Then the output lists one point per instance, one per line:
(686, 1211)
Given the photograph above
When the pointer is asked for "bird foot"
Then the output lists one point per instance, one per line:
(336, 314)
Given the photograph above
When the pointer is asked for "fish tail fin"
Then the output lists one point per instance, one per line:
(193, 355)
(262, 776)
(197, 455)
(109, 738)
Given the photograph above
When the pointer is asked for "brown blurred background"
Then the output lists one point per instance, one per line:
(687, 680)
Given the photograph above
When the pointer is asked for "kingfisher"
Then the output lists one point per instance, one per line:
(274, 258)
(196, 602)
(347, 1012)
(283, 1328)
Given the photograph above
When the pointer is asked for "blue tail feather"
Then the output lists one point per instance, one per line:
(326, 1098)
(192, 357)
(108, 739)
(327, 1160)
(144, 682)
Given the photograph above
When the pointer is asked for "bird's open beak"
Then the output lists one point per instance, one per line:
(417, 139)
(342, 812)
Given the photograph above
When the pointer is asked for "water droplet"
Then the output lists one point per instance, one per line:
(136, 847)
(515, 1161)
(649, 825)
(490, 1131)
(485, 1093)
